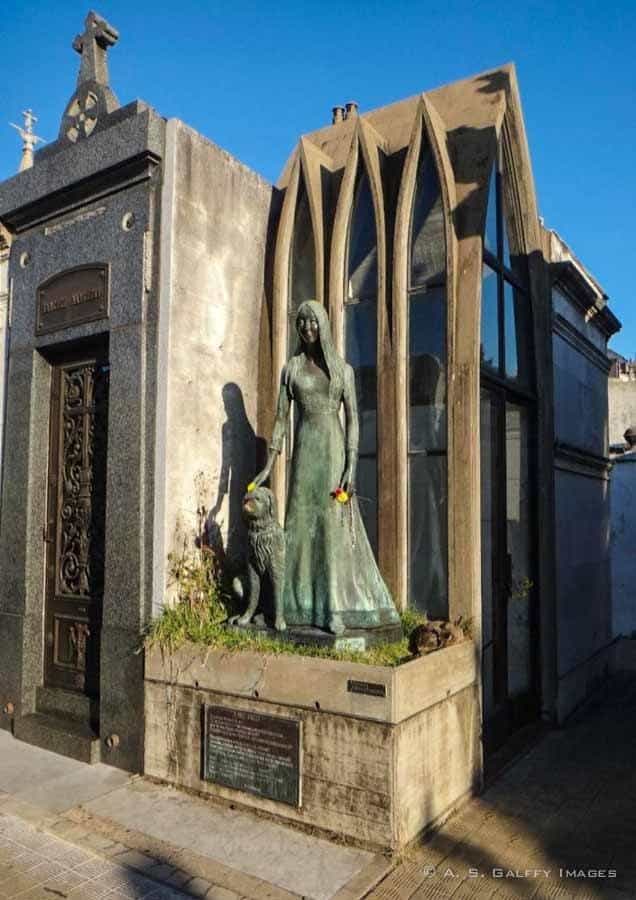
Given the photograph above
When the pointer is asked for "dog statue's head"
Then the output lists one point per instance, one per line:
(259, 505)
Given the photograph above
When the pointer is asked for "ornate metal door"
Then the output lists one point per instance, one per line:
(74, 531)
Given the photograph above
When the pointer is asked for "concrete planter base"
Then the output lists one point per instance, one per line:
(376, 769)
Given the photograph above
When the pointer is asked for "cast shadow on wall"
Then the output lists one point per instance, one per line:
(243, 454)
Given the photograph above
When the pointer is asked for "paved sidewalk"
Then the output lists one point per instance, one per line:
(136, 838)
(36, 866)
(559, 824)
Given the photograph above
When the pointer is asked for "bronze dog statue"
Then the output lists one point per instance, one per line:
(265, 556)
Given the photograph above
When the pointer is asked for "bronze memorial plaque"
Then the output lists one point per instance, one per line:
(72, 298)
(252, 752)
(370, 688)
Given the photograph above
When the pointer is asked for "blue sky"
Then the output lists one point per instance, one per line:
(253, 76)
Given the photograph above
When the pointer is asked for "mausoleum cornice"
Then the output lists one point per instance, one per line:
(67, 175)
(580, 286)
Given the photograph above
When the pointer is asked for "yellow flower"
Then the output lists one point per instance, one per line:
(251, 487)
(342, 496)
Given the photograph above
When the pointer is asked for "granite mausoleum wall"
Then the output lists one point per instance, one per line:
(79, 205)
(623, 540)
(582, 527)
(4, 312)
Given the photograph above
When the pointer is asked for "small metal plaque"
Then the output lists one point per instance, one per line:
(371, 688)
(253, 752)
(72, 298)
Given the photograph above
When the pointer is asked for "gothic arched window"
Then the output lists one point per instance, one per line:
(361, 292)
(428, 508)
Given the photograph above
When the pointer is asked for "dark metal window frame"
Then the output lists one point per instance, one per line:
(504, 274)
(503, 391)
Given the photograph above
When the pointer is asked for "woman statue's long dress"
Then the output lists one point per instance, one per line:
(331, 576)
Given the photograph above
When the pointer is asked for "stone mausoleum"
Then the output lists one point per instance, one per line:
(148, 289)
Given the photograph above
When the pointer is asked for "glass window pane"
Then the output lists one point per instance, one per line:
(360, 351)
(427, 370)
(490, 234)
(428, 544)
(362, 280)
(428, 240)
(510, 331)
(367, 491)
(511, 252)
(489, 543)
(302, 271)
(489, 319)
(518, 334)
(518, 511)
(506, 241)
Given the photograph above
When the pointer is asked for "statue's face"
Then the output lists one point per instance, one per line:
(308, 329)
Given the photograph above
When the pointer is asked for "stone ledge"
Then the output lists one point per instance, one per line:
(320, 684)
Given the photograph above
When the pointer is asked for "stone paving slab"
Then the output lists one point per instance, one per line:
(50, 781)
(300, 863)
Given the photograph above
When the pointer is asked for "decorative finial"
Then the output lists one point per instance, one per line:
(93, 97)
(29, 139)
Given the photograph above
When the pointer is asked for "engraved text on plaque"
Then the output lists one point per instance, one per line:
(72, 298)
(253, 752)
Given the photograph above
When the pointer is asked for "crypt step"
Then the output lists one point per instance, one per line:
(64, 735)
(63, 704)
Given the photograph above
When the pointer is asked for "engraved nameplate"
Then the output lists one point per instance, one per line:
(72, 298)
(252, 752)
(370, 688)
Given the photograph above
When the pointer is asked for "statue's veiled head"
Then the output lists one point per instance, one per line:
(307, 327)
(312, 327)
(312, 322)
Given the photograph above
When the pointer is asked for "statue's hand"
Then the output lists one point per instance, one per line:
(261, 477)
(347, 481)
(264, 474)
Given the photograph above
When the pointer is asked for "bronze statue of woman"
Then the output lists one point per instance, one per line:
(331, 576)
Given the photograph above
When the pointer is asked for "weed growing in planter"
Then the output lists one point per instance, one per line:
(202, 606)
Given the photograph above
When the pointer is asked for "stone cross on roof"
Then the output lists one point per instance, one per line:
(93, 98)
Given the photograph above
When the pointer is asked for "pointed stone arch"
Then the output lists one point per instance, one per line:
(313, 163)
(426, 125)
(365, 154)
(284, 239)
(339, 234)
